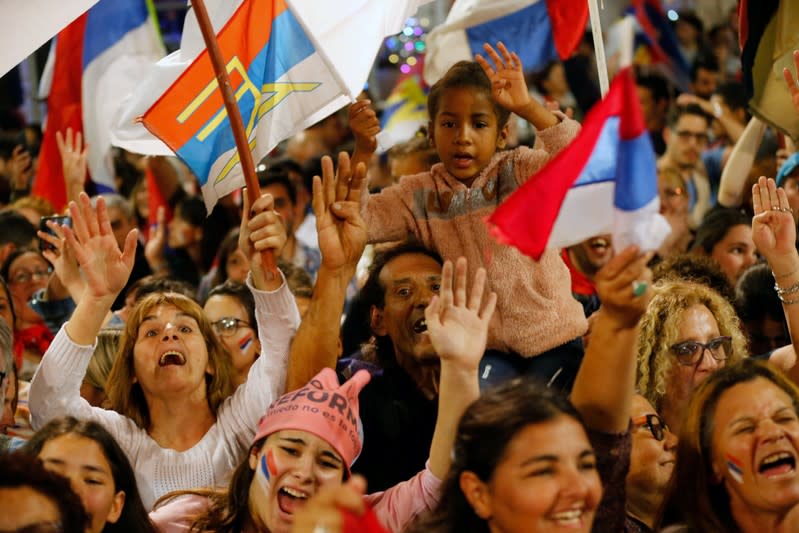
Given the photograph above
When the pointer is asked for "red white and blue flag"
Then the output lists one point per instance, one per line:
(539, 31)
(94, 64)
(605, 181)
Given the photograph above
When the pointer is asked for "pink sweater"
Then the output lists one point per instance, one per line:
(535, 309)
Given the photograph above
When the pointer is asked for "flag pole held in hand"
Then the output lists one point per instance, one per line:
(237, 125)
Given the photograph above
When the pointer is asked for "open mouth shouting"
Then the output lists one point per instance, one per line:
(290, 500)
(171, 358)
(420, 326)
(777, 465)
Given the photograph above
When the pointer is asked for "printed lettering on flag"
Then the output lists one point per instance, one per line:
(280, 82)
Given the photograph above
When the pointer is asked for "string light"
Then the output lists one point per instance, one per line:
(406, 49)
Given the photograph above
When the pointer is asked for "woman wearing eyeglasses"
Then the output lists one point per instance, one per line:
(230, 309)
(27, 272)
(688, 332)
(652, 459)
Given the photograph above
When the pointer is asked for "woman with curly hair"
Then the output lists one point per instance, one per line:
(688, 332)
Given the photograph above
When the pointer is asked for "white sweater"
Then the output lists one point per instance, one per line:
(55, 391)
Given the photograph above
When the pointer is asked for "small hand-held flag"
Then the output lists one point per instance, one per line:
(604, 181)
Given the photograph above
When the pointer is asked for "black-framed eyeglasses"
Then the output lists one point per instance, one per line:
(655, 424)
(690, 352)
(38, 527)
(228, 325)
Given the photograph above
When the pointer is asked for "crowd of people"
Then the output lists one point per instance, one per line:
(398, 369)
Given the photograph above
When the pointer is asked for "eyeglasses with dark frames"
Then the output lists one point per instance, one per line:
(655, 424)
(690, 352)
(228, 325)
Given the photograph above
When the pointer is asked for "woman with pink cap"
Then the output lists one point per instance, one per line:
(309, 438)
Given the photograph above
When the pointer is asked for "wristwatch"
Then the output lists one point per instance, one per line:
(717, 110)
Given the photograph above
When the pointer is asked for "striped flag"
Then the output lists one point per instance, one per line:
(291, 63)
(540, 31)
(605, 181)
(96, 61)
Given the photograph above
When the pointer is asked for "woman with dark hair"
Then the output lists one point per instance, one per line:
(230, 308)
(528, 459)
(36, 500)
(99, 471)
(725, 235)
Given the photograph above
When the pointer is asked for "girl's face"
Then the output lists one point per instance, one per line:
(82, 461)
(232, 326)
(465, 132)
(755, 447)
(547, 481)
(735, 252)
(290, 467)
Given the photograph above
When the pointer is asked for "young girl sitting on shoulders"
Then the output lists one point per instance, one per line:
(445, 208)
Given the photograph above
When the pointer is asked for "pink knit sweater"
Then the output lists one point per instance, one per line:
(535, 309)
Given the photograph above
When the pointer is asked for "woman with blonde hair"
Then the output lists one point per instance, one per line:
(687, 332)
(170, 386)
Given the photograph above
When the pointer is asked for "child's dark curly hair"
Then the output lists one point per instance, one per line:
(464, 74)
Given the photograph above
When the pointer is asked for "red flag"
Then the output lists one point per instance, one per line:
(63, 111)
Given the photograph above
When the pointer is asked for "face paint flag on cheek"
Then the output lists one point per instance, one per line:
(735, 467)
(266, 470)
(245, 342)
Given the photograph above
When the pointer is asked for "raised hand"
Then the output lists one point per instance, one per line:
(457, 324)
(105, 268)
(336, 204)
(773, 226)
(262, 229)
(20, 168)
(325, 510)
(507, 80)
(63, 259)
(154, 249)
(364, 126)
(623, 287)
(73, 158)
(792, 85)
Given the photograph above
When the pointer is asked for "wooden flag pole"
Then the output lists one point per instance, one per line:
(232, 108)
(599, 47)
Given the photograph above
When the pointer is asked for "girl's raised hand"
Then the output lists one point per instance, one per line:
(91, 239)
(507, 80)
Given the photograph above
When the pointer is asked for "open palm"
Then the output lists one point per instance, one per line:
(457, 325)
(773, 227)
(508, 86)
(105, 268)
(336, 204)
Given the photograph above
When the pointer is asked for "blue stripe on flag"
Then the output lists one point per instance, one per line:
(108, 21)
(636, 175)
(528, 32)
(601, 165)
(288, 45)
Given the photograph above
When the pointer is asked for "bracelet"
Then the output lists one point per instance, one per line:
(781, 276)
(788, 302)
(788, 290)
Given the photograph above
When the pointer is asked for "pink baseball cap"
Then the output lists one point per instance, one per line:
(323, 408)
